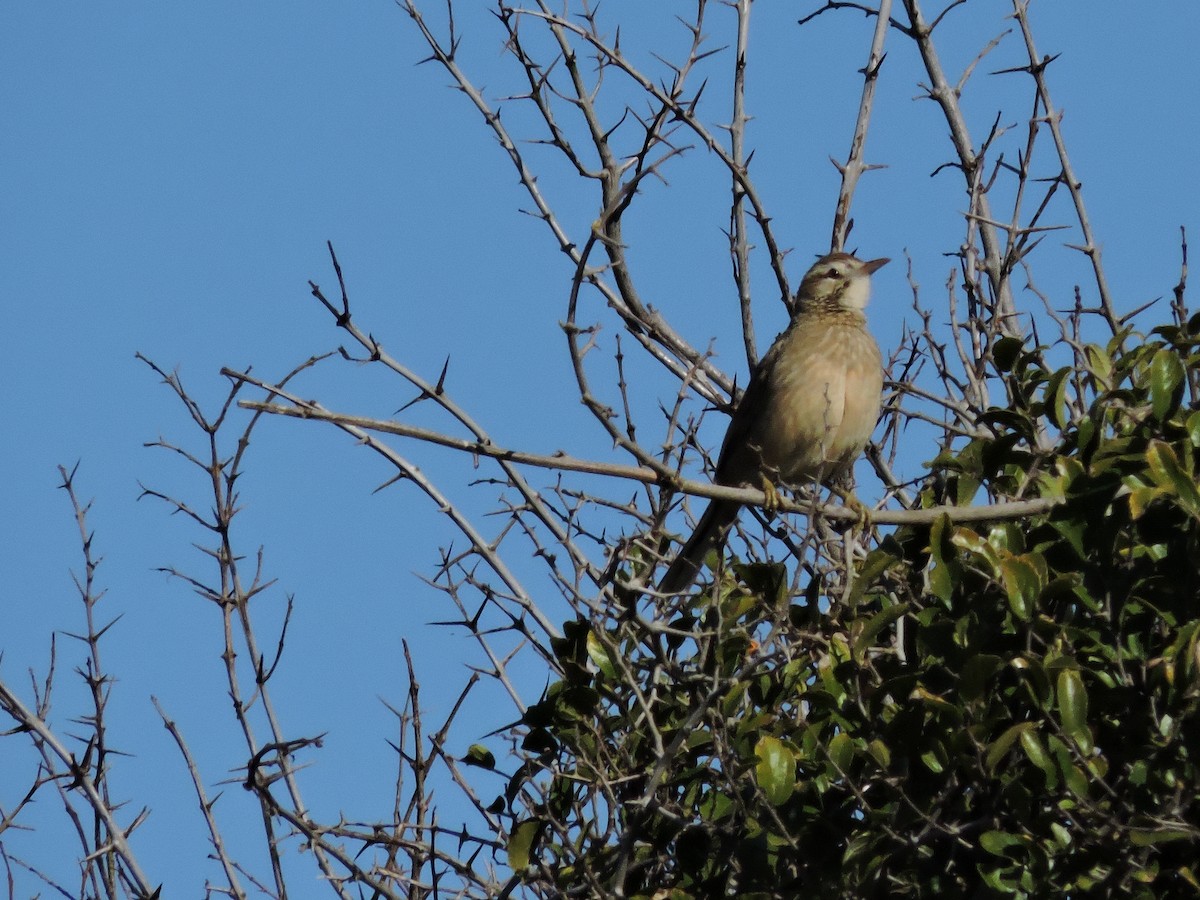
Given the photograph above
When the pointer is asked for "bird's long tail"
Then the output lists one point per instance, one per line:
(710, 532)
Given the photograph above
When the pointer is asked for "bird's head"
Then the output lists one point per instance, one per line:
(838, 280)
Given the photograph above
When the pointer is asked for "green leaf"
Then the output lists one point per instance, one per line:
(1073, 708)
(876, 624)
(1055, 396)
(994, 878)
(1022, 584)
(579, 702)
(881, 754)
(1140, 498)
(877, 562)
(1085, 431)
(975, 674)
(841, 751)
(768, 581)
(935, 757)
(1186, 654)
(1061, 835)
(930, 758)
(1035, 676)
(1166, 383)
(1036, 753)
(1017, 422)
(999, 748)
(1193, 429)
(520, 844)
(776, 769)
(1006, 352)
(598, 654)
(944, 574)
(1146, 837)
(858, 845)
(479, 755)
(715, 806)
(997, 842)
(973, 542)
(965, 488)
(937, 704)
(1100, 365)
(1076, 781)
(1168, 472)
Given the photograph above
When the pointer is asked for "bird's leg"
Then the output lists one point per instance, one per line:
(771, 503)
(862, 514)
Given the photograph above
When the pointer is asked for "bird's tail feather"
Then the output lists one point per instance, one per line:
(710, 532)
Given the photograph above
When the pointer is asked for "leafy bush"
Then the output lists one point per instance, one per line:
(1012, 704)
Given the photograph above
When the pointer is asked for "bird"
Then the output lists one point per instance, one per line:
(809, 409)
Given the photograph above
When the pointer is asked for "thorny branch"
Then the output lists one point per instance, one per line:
(646, 645)
(111, 867)
(854, 166)
(358, 426)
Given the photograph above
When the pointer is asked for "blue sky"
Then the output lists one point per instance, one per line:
(169, 174)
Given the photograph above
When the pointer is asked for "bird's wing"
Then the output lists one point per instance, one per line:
(737, 464)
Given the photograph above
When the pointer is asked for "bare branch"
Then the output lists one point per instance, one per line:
(854, 166)
(359, 426)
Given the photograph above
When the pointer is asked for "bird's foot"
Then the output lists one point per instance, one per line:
(771, 503)
(862, 513)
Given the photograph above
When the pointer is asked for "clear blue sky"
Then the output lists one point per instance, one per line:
(169, 174)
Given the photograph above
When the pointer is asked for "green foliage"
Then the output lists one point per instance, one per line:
(1001, 709)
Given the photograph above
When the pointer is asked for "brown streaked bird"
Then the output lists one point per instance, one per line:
(809, 409)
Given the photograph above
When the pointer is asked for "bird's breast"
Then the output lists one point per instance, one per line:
(825, 401)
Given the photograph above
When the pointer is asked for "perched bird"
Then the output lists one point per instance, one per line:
(809, 409)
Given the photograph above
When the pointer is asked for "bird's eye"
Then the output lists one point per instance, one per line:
(833, 273)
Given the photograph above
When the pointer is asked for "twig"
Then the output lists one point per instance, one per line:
(854, 166)
(1090, 247)
(206, 806)
(360, 425)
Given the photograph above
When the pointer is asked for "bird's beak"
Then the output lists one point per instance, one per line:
(875, 264)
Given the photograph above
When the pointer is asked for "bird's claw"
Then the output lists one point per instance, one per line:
(862, 513)
(771, 503)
